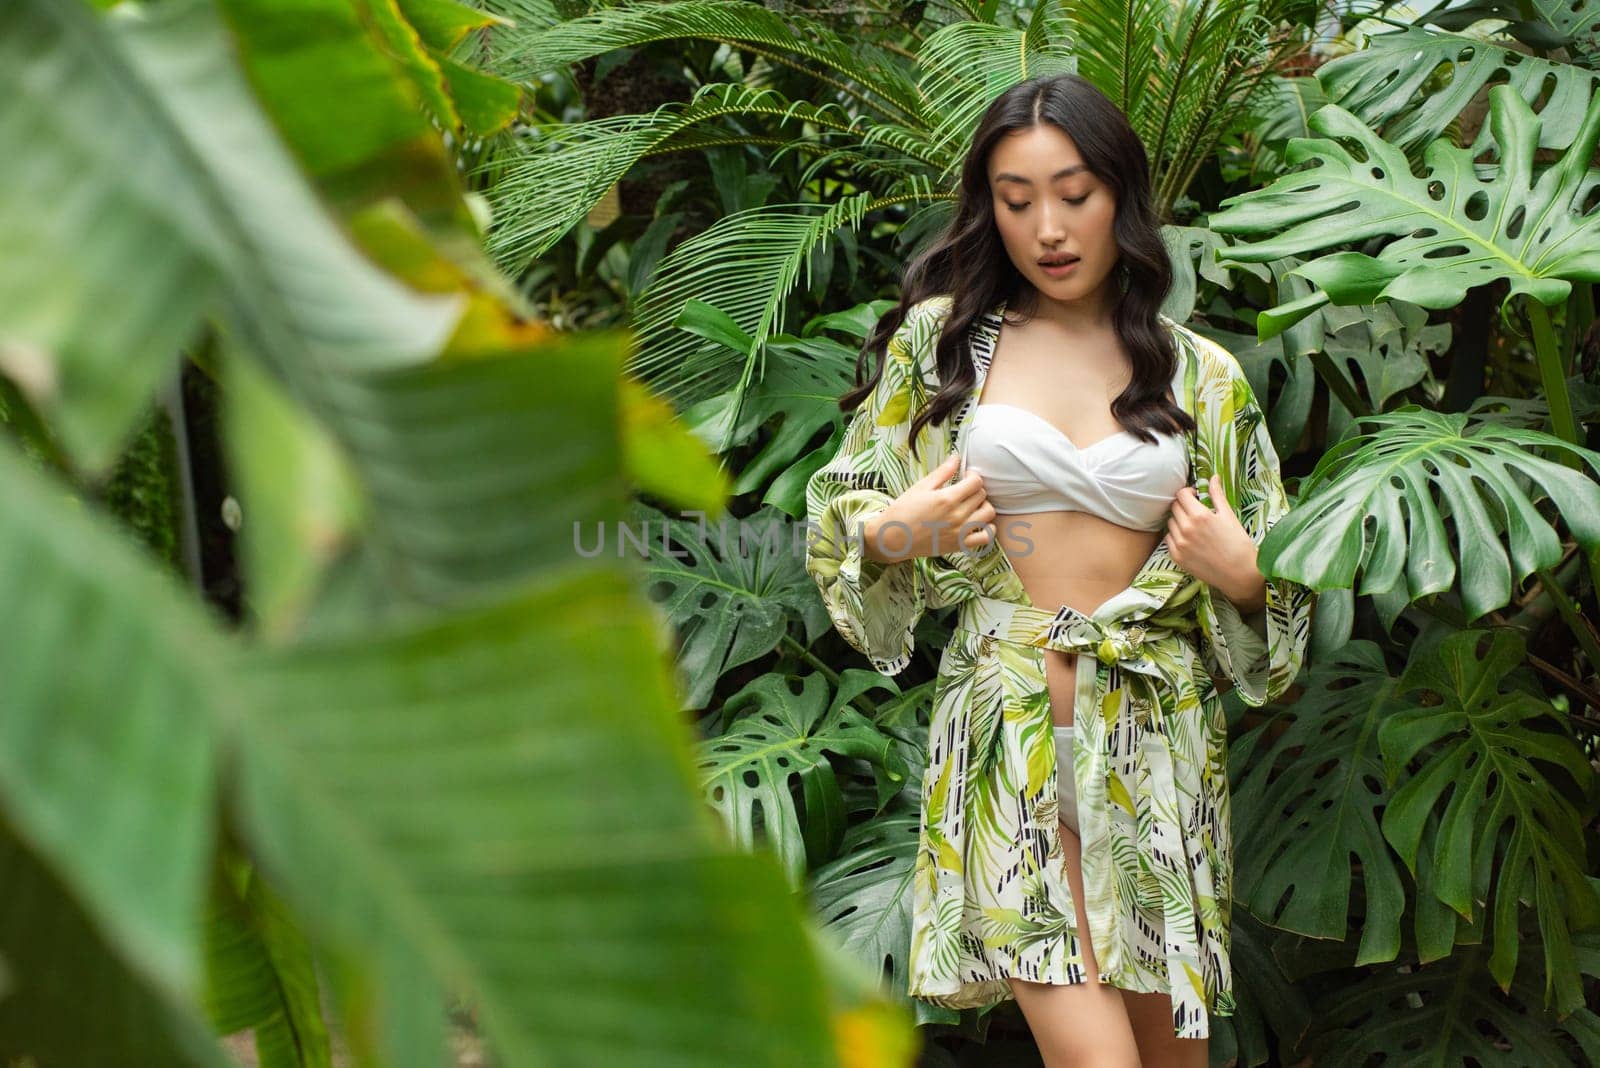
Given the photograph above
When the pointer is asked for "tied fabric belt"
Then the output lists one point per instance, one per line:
(1111, 641)
(1130, 773)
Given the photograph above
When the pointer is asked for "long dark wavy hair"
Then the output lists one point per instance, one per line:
(968, 260)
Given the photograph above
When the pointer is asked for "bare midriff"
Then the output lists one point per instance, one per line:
(1074, 559)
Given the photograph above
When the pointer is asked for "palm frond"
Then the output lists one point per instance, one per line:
(734, 22)
(912, 143)
(1183, 72)
(967, 64)
(745, 265)
(559, 177)
(1117, 43)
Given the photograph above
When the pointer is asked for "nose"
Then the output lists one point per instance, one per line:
(1052, 222)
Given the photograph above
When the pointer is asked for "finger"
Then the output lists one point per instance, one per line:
(969, 490)
(976, 538)
(943, 473)
(1187, 503)
(1219, 496)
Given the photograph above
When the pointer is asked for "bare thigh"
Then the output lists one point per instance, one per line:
(1079, 1024)
(1151, 1017)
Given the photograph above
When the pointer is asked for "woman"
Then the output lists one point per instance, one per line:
(1030, 449)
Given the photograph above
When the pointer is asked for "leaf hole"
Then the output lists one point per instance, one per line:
(1514, 225)
(1357, 150)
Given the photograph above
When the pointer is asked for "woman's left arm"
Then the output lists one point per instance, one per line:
(1256, 629)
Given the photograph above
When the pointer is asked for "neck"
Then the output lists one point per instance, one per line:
(1094, 313)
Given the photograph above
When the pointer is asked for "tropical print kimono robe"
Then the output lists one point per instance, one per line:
(990, 894)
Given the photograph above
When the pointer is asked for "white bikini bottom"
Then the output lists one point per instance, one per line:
(1066, 783)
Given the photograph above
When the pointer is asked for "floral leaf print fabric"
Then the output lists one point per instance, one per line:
(874, 605)
(1259, 666)
(990, 898)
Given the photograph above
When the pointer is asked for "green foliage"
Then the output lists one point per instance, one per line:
(375, 778)
(1546, 25)
(864, 891)
(1413, 522)
(1503, 785)
(775, 735)
(144, 490)
(1453, 229)
(799, 371)
(383, 787)
(1310, 804)
(58, 961)
(886, 122)
(260, 972)
(1442, 1013)
(729, 588)
(1445, 768)
(1394, 85)
(1370, 507)
(235, 232)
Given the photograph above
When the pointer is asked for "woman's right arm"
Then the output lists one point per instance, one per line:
(876, 599)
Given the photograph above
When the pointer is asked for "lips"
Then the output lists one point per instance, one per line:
(1058, 261)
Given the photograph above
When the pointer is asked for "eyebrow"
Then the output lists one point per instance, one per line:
(1005, 176)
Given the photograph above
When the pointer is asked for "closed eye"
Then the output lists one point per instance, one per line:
(1070, 200)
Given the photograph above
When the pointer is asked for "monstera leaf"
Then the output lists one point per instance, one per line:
(1501, 780)
(1304, 824)
(1377, 502)
(730, 591)
(1454, 228)
(1271, 1012)
(864, 896)
(1440, 1013)
(1369, 353)
(781, 733)
(1543, 24)
(798, 392)
(1382, 356)
(1281, 114)
(1390, 86)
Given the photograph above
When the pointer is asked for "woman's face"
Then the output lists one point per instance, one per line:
(1047, 203)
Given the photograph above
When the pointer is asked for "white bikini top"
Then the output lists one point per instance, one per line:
(1029, 465)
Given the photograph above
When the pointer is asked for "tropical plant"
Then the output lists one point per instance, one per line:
(440, 760)
(881, 115)
(1429, 786)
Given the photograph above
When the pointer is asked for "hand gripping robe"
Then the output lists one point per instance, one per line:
(990, 897)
